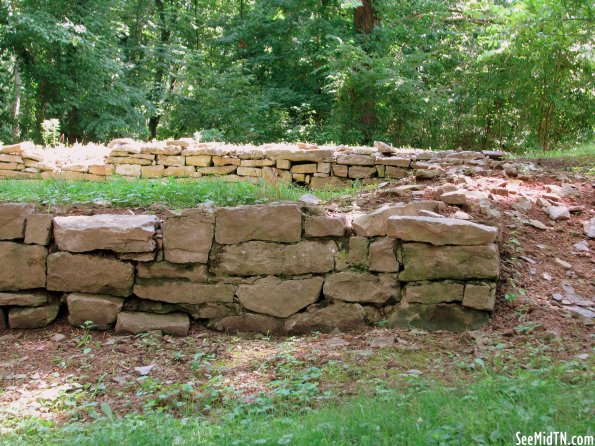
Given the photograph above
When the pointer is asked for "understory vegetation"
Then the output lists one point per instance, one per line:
(174, 193)
(421, 73)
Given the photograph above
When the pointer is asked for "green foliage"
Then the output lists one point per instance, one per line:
(482, 74)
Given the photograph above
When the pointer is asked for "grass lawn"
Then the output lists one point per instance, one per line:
(143, 193)
(422, 412)
(583, 150)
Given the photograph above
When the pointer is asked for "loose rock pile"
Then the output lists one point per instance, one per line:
(300, 163)
(283, 268)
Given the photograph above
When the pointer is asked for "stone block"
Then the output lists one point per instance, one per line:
(38, 230)
(480, 296)
(156, 171)
(304, 168)
(427, 262)
(395, 172)
(325, 226)
(279, 298)
(118, 233)
(194, 272)
(187, 238)
(361, 287)
(175, 324)
(250, 323)
(361, 171)
(249, 171)
(171, 160)
(337, 316)
(89, 274)
(438, 317)
(128, 170)
(179, 171)
(358, 251)
(12, 220)
(33, 317)
(382, 255)
(179, 291)
(217, 170)
(254, 258)
(433, 292)
(374, 223)
(198, 160)
(356, 160)
(23, 266)
(35, 299)
(440, 231)
(100, 309)
(276, 223)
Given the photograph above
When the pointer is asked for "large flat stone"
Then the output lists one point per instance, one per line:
(440, 231)
(274, 223)
(39, 229)
(438, 317)
(89, 274)
(12, 220)
(250, 323)
(339, 315)
(23, 299)
(433, 292)
(188, 238)
(279, 298)
(382, 256)
(325, 226)
(374, 223)
(32, 317)
(100, 309)
(352, 286)
(194, 272)
(175, 324)
(23, 266)
(119, 233)
(177, 291)
(427, 262)
(480, 296)
(254, 258)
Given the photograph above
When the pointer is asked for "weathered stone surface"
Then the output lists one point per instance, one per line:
(210, 310)
(149, 306)
(38, 230)
(254, 258)
(358, 251)
(395, 161)
(275, 223)
(32, 317)
(100, 309)
(295, 155)
(177, 291)
(440, 231)
(339, 315)
(375, 223)
(89, 274)
(23, 266)
(382, 255)
(356, 160)
(325, 226)
(195, 272)
(198, 160)
(395, 172)
(480, 297)
(304, 168)
(438, 317)
(279, 298)
(352, 286)
(558, 213)
(361, 171)
(12, 220)
(128, 170)
(250, 323)
(455, 198)
(175, 324)
(3, 323)
(328, 183)
(188, 238)
(118, 233)
(152, 171)
(24, 299)
(427, 262)
(589, 228)
(433, 292)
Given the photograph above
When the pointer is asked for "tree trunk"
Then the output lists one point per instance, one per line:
(16, 107)
(363, 17)
(158, 90)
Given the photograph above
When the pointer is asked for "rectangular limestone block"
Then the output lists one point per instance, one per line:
(128, 170)
(225, 161)
(395, 172)
(299, 177)
(194, 272)
(38, 230)
(254, 258)
(324, 168)
(175, 324)
(13, 217)
(9, 166)
(179, 291)
(187, 238)
(358, 251)
(118, 233)
(179, 171)
(257, 163)
(217, 170)
(325, 226)
(276, 223)
(128, 160)
(23, 299)
(356, 160)
(33, 317)
(11, 159)
(100, 309)
(89, 274)
(198, 160)
(428, 262)
(362, 287)
(340, 170)
(480, 296)
(23, 266)
(394, 161)
(361, 171)
(304, 168)
(249, 171)
(375, 223)
(433, 292)
(102, 169)
(283, 164)
(171, 160)
(382, 254)
(156, 171)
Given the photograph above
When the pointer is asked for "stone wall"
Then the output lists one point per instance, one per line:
(282, 268)
(304, 164)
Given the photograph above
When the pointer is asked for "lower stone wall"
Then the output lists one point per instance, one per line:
(304, 164)
(283, 268)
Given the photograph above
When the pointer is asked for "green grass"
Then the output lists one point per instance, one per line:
(583, 150)
(143, 193)
(488, 411)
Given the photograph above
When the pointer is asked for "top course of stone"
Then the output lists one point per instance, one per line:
(302, 163)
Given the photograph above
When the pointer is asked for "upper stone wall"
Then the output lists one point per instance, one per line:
(306, 164)
(278, 268)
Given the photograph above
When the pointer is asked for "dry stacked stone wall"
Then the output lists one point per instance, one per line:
(282, 268)
(305, 164)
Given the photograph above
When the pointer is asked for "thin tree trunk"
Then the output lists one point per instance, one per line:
(16, 108)
(363, 17)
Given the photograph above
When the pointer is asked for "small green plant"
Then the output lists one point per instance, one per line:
(50, 132)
